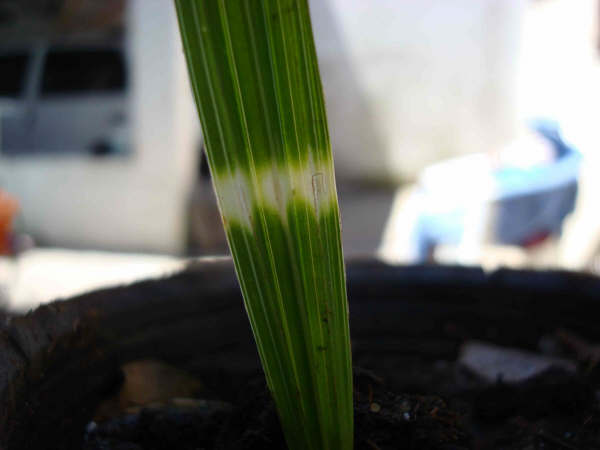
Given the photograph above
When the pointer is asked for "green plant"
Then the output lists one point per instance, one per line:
(256, 82)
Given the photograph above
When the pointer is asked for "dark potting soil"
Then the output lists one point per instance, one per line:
(553, 410)
(384, 420)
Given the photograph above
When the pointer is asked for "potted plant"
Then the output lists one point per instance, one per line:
(255, 78)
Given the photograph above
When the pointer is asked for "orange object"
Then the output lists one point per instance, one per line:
(8, 210)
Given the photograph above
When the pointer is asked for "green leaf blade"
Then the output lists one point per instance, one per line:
(255, 78)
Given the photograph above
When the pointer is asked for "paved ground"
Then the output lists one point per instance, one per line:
(364, 214)
(42, 275)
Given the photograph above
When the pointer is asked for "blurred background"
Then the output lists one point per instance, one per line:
(463, 133)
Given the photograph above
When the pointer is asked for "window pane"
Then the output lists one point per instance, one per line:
(83, 72)
(12, 74)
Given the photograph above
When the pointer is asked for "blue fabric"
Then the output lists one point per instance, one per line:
(527, 201)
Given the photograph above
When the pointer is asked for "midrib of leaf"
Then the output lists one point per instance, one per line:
(267, 143)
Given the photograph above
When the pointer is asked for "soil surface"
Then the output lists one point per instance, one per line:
(553, 410)
(460, 359)
(384, 420)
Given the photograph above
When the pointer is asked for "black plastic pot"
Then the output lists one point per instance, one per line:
(58, 362)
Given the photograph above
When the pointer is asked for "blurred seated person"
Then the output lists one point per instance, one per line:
(518, 197)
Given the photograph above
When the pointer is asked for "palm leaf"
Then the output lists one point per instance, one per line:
(255, 78)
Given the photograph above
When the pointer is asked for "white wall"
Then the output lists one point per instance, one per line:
(410, 82)
(132, 203)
